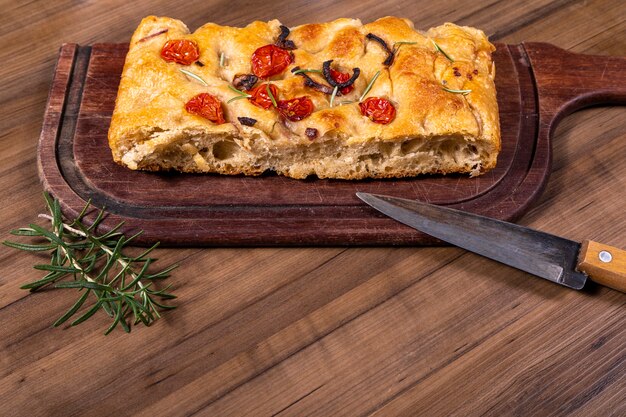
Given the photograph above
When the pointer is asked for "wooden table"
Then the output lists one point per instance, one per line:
(325, 331)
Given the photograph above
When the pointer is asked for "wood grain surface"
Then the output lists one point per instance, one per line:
(325, 331)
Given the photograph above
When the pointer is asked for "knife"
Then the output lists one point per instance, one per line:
(551, 257)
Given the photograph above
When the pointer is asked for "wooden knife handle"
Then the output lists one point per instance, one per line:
(604, 264)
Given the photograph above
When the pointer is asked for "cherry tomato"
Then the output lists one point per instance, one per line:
(182, 51)
(207, 106)
(296, 109)
(269, 60)
(261, 98)
(378, 110)
(341, 77)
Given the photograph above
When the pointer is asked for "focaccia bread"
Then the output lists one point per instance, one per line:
(393, 101)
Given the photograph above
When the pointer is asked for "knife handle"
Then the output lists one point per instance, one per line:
(604, 264)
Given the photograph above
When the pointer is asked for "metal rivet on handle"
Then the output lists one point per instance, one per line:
(605, 256)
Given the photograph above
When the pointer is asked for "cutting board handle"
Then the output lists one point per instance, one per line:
(567, 81)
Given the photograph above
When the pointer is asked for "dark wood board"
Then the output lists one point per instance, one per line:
(537, 85)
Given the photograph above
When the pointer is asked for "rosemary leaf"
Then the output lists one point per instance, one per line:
(118, 318)
(241, 93)
(57, 268)
(438, 49)
(72, 310)
(82, 213)
(237, 98)
(333, 95)
(88, 314)
(194, 76)
(111, 234)
(83, 284)
(136, 313)
(24, 231)
(163, 274)
(97, 220)
(451, 90)
(163, 306)
(33, 286)
(146, 252)
(369, 86)
(163, 292)
(305, 70)
(144, 309)
(138, 276)
(123, 323)
(132, 237)
(28, 247)
(111, 261)
(269, 93)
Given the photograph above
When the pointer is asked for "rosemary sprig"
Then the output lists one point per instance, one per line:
(305, 70)
(118, 283)
(369, 86)
(241, 94)
(237, 98)
(333, 95)
(451, 90)
(194, 76)
(438, 49)
(396, 48)
(269, 93)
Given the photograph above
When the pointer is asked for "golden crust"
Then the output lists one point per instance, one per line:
(153, 92)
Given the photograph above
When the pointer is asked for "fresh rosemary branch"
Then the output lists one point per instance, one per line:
(118, 283)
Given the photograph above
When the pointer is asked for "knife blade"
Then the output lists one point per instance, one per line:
(551, 257)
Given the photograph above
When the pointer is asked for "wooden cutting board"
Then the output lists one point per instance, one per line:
(537, 85)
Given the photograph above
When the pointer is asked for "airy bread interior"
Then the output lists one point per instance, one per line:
(328, 157)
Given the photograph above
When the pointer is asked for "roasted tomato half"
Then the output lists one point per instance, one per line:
(378, 110)
(270, 60)
(181, 51)
(260, 97)
(207, 106)
(296, 109)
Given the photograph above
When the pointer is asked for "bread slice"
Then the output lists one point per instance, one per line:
(440, 84)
